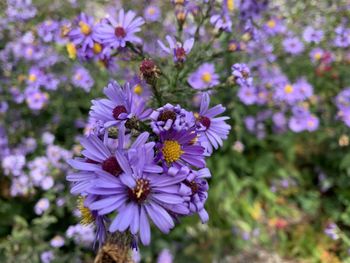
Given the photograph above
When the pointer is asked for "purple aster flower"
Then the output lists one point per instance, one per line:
(171, 117)
(177, 49)
(81, 78)
(304, 88)
(342, 38)
(287, 93)
(303, 120)
(20, 10)
(122, 106)
(241, 72)
(47, 30)
(310, 35)
(57, 241)
(165, 256)
(198, 188)
(41, 206)
(274, 26)
(47, 256)
(178, 148)
(36, 99)
(316, 54)
(250, 123)
(139, 194)
(251, 8)
(36, 78)
(83, 32)
(212, 130)
(293, 45)
(222, 22)
(332, 231)
(152, 13)
(247, 95)
(116, 33)
(204, 77)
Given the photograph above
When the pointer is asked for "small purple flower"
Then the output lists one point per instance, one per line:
(83, 32)
(47, 256)
(171, 117)
(36, 99)
(41, 206)
(316, 54)
(121, 106)
(332, 231)
(293, 45)
(152, 13)
(165, 256)
(57, 241)
(47, 30)
(222, 22)
(204, 77)
(310, 35)
(81, 78)
(212, 130)
(247, 95)
(241, 72)
(342, 38)
(177, 49)
(115, 33)
(274, 26)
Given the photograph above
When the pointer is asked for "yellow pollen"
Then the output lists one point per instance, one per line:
(288, 89)
(230, 5)
(318, 56)
(72, 51)
(171, 151)
(310, 123)
(32, 77)
(97, 48)
(206, 77)
(232, 47)
(271, 23)
(138, 89)
(30, 52)
(246, 37)
(86, 216)
(196, 115)
(78, 76)
(151, 11)
(84, 28)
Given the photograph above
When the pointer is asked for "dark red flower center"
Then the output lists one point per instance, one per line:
(119, 32)
(118, 110)
(167, 115)
(112, 166)
(205, 121)
(147, 66)
(193, 185)
(140, 192)
(180, 53)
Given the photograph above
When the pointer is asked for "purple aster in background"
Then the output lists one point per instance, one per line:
(212, 130)
(247, 95)
(293, 45)
(36, 99)
(36, 77)
(288, 93)
(152, 13)
(310, 35)
(302, 120)
(316, 54)
(177, 49)
(171, 117)
(179, 148)
(47, 30)
(82, 32)
(204, 77)
(274, 26)
(121, 107)
(116, 33)
(251, 8)
(342, 38)
(222, 22)
(81, 78)
(241, 72)
(20, 10)
(165, 256)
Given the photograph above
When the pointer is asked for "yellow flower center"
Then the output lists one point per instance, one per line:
(138, 89)
(30, 52)
(171, 151)
(310, 123)
(86, 216)
(232, 47)
(78, 76)
(230, 5)
(318, 56)
(288, 89)
(97, 48)
(206, 77)
(72, 51)
(151, 11)
(271, 23)
(84, 28)
(32, 77)
(246, 37)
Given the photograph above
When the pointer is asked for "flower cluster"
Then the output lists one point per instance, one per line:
(157, 176)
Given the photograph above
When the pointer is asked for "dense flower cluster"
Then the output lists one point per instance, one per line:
(152, 177)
